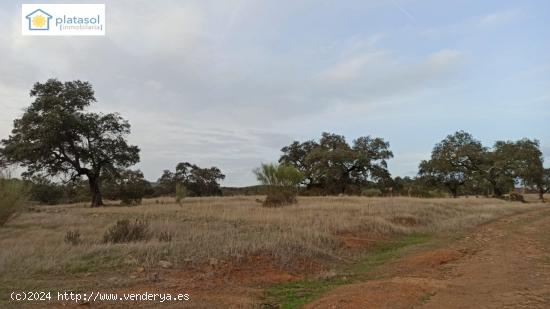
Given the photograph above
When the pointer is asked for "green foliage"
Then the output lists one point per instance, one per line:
(198, 181)
(282, 183)
(44, 191)
(278, 175)
(463, 165)
(371, 192)
(13, 193)
(454, 161)
(56, 136)
(125, 231)
(335, 166)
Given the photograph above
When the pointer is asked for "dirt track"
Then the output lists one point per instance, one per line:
(503, 264)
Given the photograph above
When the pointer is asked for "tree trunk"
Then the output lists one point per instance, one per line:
(541, 194)
(454, 192)
(94, 190)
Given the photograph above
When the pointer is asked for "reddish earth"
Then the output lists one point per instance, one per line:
(504, 264)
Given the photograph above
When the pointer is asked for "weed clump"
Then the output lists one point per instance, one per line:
(72, 237)
(124, 231)
(165, 236)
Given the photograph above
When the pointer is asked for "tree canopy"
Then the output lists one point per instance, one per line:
(197, 181)
(57, 136)
(334, 166)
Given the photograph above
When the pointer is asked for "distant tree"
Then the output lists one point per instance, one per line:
(128, 186)
(544, 185)
(334, 165)
(527, 164)
(454, 161)
(166, 184)
(197, 181)
(56, 136)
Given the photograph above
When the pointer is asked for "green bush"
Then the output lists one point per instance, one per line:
(372, 192)
(13, 193)
(124, 231)
(282, 183)
(46, 192)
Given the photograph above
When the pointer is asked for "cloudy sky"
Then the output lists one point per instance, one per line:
(228, 83)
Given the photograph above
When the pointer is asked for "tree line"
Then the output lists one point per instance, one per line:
(57, 138)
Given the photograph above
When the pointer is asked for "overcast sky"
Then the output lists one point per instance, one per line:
(228, 83)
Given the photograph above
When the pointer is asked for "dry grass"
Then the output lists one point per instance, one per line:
(223, 228)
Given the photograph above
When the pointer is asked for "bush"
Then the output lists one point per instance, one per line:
(372, 192)
(181, 193)
(282, 183)
(127, 231)
(12, 198)
(72, 237)
(515, 197)
(46, 192)
(130, 198)
(280, 196)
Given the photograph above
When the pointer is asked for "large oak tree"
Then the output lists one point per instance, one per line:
(335, 166)
(56, 136)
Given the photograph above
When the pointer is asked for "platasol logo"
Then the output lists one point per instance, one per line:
(63, 19)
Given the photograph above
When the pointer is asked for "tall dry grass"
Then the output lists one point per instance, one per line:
(12, 197)
(224, 228)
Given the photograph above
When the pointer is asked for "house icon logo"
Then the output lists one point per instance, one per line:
(39, 20)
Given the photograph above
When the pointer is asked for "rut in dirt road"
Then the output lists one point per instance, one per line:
(503, 264)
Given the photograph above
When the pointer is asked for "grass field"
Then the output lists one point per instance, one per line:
(318, 229)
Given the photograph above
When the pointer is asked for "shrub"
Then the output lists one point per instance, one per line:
(130, 198)
(181, 193)
(372, 192)
(516, 197)
(282, 183)
(46, 192)
(127, 231)
(280, 196)
(72, 237)
(12, 198)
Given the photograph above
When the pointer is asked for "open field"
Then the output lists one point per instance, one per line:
(300, 240)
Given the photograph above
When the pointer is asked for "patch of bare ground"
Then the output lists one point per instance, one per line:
(502, 264)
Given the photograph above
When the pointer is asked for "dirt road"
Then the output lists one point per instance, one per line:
(503, 264)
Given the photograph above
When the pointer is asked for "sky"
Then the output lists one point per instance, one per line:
(229, 83)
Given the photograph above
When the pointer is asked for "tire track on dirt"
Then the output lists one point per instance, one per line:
(502, 264)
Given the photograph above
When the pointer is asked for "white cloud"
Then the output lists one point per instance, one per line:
(351, 69)
(500, 17)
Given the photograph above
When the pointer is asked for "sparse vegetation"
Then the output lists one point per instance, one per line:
(124, 231)
(225, 228)
(165, 236)
(12, 198)
(72, 237)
